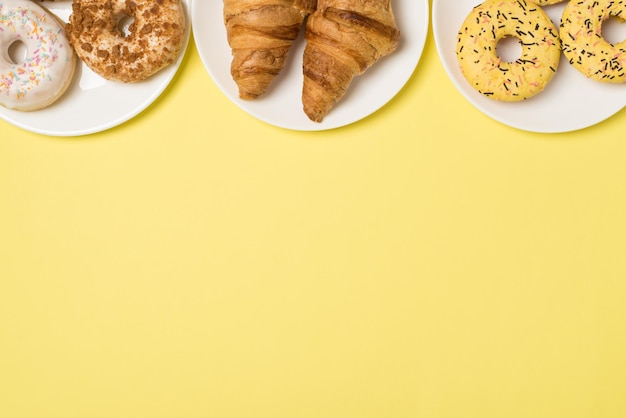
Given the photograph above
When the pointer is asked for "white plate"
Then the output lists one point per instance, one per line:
(569, 102)
(282, 105)
(92, 104)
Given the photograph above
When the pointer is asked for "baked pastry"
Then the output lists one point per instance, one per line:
(584, 45)
(548, 2)
(343, 39)
(46, 70)
(155, 40)
(260, 34)
(494, 20)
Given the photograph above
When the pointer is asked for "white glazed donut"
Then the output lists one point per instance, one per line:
(43, 75)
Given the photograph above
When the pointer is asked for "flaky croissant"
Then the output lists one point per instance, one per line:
(260, 34)
(344, 38)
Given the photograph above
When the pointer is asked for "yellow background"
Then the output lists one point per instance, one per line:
(426, 261)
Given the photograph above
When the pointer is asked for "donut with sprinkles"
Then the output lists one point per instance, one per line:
(583, 44)
(44, 73)
(489, 23)
(547, 2)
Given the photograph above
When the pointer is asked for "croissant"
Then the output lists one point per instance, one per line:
(343, 39)
(260, 34)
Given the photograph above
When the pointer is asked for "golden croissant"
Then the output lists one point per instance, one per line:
(343, 39)
(260, 34)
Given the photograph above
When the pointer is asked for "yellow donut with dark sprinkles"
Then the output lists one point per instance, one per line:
(494, 20)
(547, 2)
(583, 44)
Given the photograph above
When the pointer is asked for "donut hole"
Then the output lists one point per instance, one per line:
(509, 49)
(124, 24)
(614, 30)
(16, 53)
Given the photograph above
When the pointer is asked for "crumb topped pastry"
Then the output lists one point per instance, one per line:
(154, 41)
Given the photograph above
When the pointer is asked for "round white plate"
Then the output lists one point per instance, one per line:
(282, 105)
(569, 102)
(92, 104)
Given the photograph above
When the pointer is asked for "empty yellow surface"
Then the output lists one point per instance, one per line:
(426, 261)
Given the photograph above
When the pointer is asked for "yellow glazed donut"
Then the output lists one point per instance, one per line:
(494, 20)
(583, 43)
(155, 37)
(547, 2)
(44, 73)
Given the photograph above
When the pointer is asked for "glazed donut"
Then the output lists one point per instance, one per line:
(44, 73)
(547, 2)
(494, 20)
(155, 37)
(583, 43)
